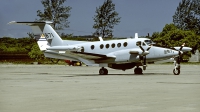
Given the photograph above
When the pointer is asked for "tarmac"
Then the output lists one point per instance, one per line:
(60, 88)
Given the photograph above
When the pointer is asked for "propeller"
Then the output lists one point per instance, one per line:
(180, 53)
(143, 54)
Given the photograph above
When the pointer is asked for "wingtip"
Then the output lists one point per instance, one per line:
(12, 22)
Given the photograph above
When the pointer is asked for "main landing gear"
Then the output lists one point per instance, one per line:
(103, 71)
(138, 70)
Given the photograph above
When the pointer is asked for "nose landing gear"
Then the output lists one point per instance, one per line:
(176, 71)
(177, 67)
(177, 61)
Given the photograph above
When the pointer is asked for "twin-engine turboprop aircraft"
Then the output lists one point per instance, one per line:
(117, 54)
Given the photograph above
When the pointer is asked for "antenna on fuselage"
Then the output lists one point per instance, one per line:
(100, 39)
(136, 35)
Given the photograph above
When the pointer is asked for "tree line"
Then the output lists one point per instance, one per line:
(185, 27)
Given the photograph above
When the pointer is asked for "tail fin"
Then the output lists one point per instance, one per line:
(43, 29)
(42, 43)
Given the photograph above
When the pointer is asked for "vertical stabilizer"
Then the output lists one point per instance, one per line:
(42, 43)
(52, 37)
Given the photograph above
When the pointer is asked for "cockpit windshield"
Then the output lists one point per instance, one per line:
(149, 42)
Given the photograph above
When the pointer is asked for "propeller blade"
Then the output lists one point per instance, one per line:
(144, 63)
(182, 46)
(180, 53)
(148, 48)
(144, 60)
(141, 48)
(178, 60)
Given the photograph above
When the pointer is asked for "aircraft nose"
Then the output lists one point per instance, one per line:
(176, 52)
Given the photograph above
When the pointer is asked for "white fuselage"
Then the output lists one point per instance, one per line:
(120, 49)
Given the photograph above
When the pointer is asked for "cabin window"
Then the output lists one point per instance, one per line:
(143, 44)
(113, 45)
(125, 44)
(92, 47)
(101, 46)
(148, 42)
(119, 45)
(138, 43)
(107, 46)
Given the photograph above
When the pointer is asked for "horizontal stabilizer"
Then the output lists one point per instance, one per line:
(30, 23)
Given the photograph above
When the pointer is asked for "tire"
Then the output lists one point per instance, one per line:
(138, 71)
(176, 72)
(106, 71)
(135, 71)
(103, 71)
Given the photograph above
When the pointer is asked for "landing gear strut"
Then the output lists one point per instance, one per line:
(138, 70)
(103, 71)
(177, 61)
(177, 67)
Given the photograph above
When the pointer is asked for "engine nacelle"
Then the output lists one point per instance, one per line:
(184, 49)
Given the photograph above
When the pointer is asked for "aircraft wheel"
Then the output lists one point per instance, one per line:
(138, 70)
(103, 71)
(176, 72)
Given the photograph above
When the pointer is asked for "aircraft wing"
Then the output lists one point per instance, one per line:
(75, 50)
(65, 48)
(92, 56)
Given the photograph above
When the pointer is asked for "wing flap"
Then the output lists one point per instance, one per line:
(91, 55)
(65, 48)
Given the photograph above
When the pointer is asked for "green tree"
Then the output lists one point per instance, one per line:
(35, 53)
(55, 11)
(171, 36)
(13, 45)
(187, 15)
(105, 19)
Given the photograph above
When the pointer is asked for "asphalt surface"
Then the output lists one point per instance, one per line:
(60, 88)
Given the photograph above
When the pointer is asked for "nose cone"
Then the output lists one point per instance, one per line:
(176, 52)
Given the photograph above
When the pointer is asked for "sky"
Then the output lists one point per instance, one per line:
(137, 16)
